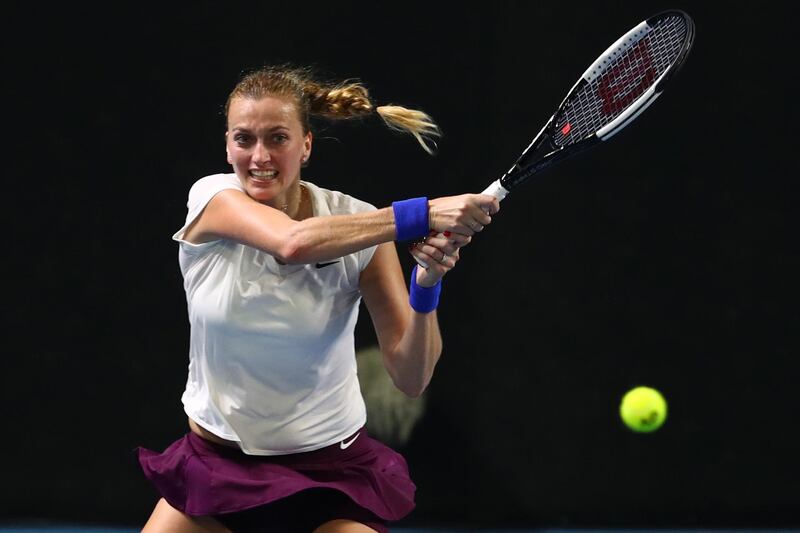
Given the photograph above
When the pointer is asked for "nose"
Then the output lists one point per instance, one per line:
(261, 154)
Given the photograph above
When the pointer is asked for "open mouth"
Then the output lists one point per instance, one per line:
(263, 176)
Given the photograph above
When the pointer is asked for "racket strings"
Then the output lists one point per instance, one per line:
(597, 103)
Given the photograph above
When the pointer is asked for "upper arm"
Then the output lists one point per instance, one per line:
(232, 214)
(383, 288)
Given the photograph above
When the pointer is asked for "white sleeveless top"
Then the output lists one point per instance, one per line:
(272, 353)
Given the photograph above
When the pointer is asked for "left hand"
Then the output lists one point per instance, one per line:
(439, 253)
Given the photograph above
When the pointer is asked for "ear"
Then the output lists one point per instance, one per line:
(307, 147)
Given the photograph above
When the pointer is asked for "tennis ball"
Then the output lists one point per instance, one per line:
(643, 409)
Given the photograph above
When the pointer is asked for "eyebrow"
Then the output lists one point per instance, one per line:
(274, 128)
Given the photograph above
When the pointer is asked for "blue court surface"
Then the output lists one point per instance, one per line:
(96, 529)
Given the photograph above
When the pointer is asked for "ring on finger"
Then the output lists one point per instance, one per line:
(443, 259)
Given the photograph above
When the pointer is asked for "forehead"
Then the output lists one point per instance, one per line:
(268, 111)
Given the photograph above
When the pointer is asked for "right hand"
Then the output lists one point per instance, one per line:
(465, 214)
(437, 255)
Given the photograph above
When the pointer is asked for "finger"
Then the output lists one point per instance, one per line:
(458, 240)
(412, 249)
(443, 263)
(432, 264)
(431, 254)
(448, 261)
(429, 278)
(474, 226)
(481, 217)
(445, 244)
(489, 204)
(463, 227)
(457, 227)
(438, 254)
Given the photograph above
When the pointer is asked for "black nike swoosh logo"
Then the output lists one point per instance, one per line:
(323, 265)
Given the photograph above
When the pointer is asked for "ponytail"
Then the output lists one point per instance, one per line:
(333, 101)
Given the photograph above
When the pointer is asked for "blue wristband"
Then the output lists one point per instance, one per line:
(411, 218)
(423, 299)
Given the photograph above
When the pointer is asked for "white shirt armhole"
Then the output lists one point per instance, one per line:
(200, 195)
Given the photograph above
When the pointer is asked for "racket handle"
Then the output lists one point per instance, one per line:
(496, 190)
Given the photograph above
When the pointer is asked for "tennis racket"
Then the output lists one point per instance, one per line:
(613, 91)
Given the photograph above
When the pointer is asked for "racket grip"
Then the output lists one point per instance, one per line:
(496, 190)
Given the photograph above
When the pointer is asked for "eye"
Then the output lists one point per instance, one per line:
(280, 138)
(241, 138)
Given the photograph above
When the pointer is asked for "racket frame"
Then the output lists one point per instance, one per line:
(542, 152)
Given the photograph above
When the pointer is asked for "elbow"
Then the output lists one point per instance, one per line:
(409, 377)
(289, 254)
(410, 387)
(414, 393)
(413, 390)
(293, 250)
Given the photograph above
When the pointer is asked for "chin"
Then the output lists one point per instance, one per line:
(260, 189)
(260, 195)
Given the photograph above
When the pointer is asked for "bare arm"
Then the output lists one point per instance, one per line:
(410, 342)
(231, 214)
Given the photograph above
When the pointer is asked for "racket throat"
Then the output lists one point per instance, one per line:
(535, 158)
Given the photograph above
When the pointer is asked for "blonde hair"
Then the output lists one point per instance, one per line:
(338, 101)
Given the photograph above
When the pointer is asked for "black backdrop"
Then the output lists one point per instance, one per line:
(665, 258)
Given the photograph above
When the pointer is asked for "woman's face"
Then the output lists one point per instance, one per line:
(266, 146)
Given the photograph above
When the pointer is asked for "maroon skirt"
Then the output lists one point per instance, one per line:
(202, 478)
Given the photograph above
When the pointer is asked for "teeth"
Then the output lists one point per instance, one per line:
(264, 174)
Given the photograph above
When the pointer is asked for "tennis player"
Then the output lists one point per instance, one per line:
(274, 269)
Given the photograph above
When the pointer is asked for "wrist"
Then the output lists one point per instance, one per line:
(423, 299)
(411, 218)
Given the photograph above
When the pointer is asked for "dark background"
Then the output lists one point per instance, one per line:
(667, 257)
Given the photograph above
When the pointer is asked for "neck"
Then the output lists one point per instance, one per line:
(292, 203)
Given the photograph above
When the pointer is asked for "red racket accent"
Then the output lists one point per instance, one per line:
(627, 80)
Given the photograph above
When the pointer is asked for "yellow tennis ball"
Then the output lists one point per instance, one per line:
(643, 409)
